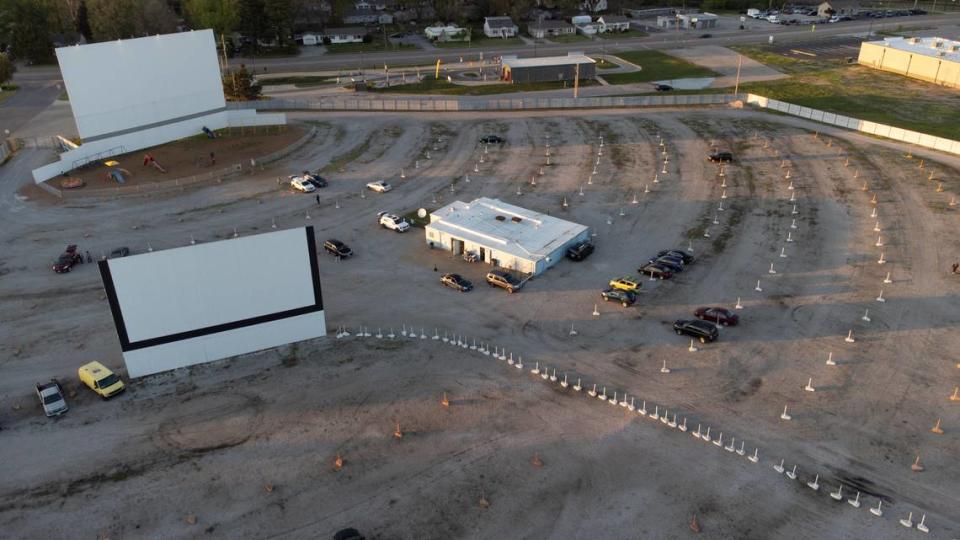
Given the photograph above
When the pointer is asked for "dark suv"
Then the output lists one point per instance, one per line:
(702, 330)
(720, 157)
(626, 298)
(580, 251)
(492, 139)
(504, 280)
(337, 249)
(67, 259)
(456, 282)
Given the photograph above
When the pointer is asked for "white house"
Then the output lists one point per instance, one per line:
(349, 34)
(502, 27)
(502, 234)
(613, 23)
(445, 32)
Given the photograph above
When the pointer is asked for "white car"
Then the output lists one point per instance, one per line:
(51, 397)
(379, 186)
(300, 183)
(393, 222)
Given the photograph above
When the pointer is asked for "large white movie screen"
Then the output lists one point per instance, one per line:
(134, 84)
(208, 301)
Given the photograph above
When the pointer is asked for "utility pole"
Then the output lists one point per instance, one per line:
(736, 87)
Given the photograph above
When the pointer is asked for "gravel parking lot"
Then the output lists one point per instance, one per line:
(245, 447)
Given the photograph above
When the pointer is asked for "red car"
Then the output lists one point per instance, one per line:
(719, 315)
(67, 259)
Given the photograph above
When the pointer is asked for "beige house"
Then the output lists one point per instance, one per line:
(931, 59)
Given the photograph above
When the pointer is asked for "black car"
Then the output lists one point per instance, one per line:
(456, 282)
(580, 251)
(683, 255)
(315, 180)
(703, 330)
(662, 87)
(119, 252)
(705, 36)
(626, 298)
(348, 534)
(720, 157)
(492, 139)
(655, 270)
(674, 265)
(337, 249)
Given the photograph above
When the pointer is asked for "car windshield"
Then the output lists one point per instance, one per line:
(108, 381)
(52, 398)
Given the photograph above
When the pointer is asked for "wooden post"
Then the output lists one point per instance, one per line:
(736, 87)
(576, 82)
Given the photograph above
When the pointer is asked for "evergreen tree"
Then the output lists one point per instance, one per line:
(239, 85)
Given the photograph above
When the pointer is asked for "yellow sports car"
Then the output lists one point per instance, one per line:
(626, 284)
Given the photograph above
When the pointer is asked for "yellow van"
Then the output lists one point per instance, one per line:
(100, 379)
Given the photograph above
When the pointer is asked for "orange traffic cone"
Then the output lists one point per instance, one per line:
(694, 526)
(338, 463)
(937, 429)
(444, 401)
(917, 466)
(536, 460)
(397, 433)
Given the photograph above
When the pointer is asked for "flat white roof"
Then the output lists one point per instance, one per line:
(513, 63)
(532, 237)
(928, 46)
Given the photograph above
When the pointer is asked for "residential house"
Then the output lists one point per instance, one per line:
(445, 32)
(348, 34)
(367, 16)
(549, 28)
(502, 27)
(309, 38)
(613, 23)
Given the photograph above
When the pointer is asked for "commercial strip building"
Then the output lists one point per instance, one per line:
(502, 234)
(688, 21)
(930, 59)
(549, 68)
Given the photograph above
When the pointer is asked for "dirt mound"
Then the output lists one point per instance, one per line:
(212, 422)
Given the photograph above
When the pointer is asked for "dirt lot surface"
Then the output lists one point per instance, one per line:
(188, 157)
(245, 448)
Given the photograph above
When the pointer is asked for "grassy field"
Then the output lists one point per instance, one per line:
(605, 64)
(478, 40)
(860, 92)
(657, 66)
(568, 38)
(299, 81)
(441, 87)
(374, 46)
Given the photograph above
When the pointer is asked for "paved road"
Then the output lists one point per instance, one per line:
(39, 87)
(757, 33)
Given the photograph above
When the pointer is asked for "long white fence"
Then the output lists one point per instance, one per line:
(864, 126)
(387, 103)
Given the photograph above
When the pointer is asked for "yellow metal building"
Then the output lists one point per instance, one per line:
(930, 59)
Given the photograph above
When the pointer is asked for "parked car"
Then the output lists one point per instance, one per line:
(662, 87)
(119, 252)
(393, 222)
(492, 139)
(720, 157)
(67, 259)
(100, 379)
(625, 283)
(348, 534)
(656, 270)
(580, 251)
(337, 248)
(719, 315)
(674, 265)
(315, 179)
(301, 184)
(626, 298)
(683, 255)
(702, 330)
(504, 280)
(705, 36)
(456, 282)
(380, 186)
(51, 397)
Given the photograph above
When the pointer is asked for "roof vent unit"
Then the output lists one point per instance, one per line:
(500, 218)
(937, 44)
(516, 219)
(955, 48)
(914, 40)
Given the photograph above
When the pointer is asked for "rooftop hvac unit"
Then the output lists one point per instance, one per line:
(914, 40)
(937, 44)
(955, 48)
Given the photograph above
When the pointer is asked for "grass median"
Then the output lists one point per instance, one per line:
(432, 86)
(656, 66)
